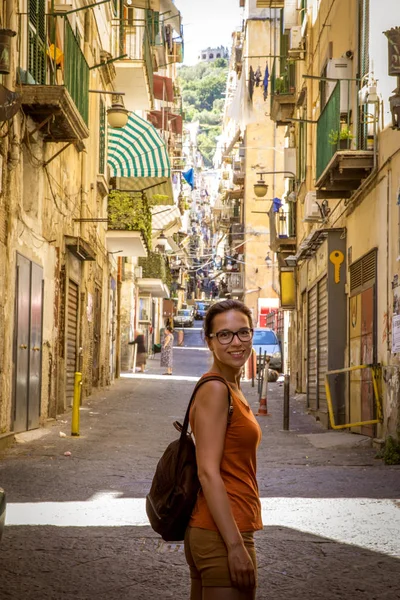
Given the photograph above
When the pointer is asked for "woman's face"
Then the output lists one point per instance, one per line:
(236, 353)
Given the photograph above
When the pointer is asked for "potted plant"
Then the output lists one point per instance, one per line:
(340, 137)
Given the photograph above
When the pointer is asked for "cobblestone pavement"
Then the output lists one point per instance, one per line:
(76, 529)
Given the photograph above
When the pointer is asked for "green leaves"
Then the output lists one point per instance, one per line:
(130, 211)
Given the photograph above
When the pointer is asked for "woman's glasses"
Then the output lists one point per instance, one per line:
(226, 337)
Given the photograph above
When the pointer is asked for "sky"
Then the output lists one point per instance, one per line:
(207, 23)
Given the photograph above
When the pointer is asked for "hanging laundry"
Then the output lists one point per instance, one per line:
(265, 82)
(257, 76)
(276, 204)
(251, 83)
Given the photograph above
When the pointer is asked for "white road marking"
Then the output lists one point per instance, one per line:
(190, 348)
(155, 376)
(365, 522)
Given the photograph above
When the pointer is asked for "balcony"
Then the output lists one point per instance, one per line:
(134, 72)
(283, 230)
(283, 91)
(236, 233)
(129, 224)
(235, 283)
(342, 163)
(155, 266)
(55, 93)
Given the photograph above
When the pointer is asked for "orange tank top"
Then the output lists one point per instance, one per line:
(238, 470)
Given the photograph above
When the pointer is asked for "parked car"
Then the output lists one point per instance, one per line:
(183, 318)
(2, 510)
(265, 340)
(201, 309)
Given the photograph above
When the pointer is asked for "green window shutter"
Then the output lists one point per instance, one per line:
(153, 25)
(37, 41)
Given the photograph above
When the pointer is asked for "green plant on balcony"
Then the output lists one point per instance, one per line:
(131, 212)
(155, 266)
(340, 137)
(280, 85)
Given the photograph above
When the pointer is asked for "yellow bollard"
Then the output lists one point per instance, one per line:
(76, 404)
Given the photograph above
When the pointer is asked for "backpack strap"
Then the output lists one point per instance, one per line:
(184, 428)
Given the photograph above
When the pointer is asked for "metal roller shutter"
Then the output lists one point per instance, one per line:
(312, 353)
(72, 333)
(322, 342)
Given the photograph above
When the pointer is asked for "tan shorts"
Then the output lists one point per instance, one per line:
(207, 556)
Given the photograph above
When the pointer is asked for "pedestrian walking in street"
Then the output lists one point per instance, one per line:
(219, 541)
(167, 351)
(141, 356)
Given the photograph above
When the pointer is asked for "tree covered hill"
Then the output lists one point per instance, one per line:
(203, 89)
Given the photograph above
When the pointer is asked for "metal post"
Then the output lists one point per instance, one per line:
(286, 396)
(76, 404)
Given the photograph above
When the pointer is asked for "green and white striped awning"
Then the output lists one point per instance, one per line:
(137, 150)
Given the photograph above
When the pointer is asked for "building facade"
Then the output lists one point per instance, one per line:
(69, 283)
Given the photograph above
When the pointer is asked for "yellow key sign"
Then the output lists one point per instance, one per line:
(336, 257)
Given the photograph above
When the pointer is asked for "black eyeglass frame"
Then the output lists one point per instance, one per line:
(215, 335)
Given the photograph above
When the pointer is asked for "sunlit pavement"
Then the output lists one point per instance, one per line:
(77, 527)
(367, 523)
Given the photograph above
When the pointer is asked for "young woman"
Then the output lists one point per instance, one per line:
(166, 350)
(219, 544)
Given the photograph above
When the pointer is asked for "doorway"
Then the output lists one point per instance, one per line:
(27, 345)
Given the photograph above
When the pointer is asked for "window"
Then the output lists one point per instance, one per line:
(204, 56)
(302, 145)
(102, 138)
(264, 338)
(211, 56)
(184, 313)
(144, 309)
(218, 56)
(37, 41)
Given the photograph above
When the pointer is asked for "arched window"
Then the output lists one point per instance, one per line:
(211, 56)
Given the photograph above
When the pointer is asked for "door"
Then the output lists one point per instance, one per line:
(362, 336)
(303, 326)
(96, 337)
(71, 340)
(312, 349)
(112, 330)
(35, 346)
(322, 343)
(28, 344)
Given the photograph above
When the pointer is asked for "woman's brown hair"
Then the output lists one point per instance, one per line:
(220, 307)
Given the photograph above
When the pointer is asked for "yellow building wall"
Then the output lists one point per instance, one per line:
(264, 152)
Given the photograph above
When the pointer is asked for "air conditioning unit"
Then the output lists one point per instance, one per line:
(295, 38)
(289, 160)
(312, 212)
(290, 14)
(339, 68)
(138, 272)
(296, 43)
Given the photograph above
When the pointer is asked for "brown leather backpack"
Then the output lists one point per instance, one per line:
(175, 485)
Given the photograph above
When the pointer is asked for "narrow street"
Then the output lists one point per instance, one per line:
(77, 528)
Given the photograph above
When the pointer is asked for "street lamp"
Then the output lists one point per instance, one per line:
(261, 188)
(117, 115)
(268, 260)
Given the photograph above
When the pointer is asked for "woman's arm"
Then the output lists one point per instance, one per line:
(210, 423)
